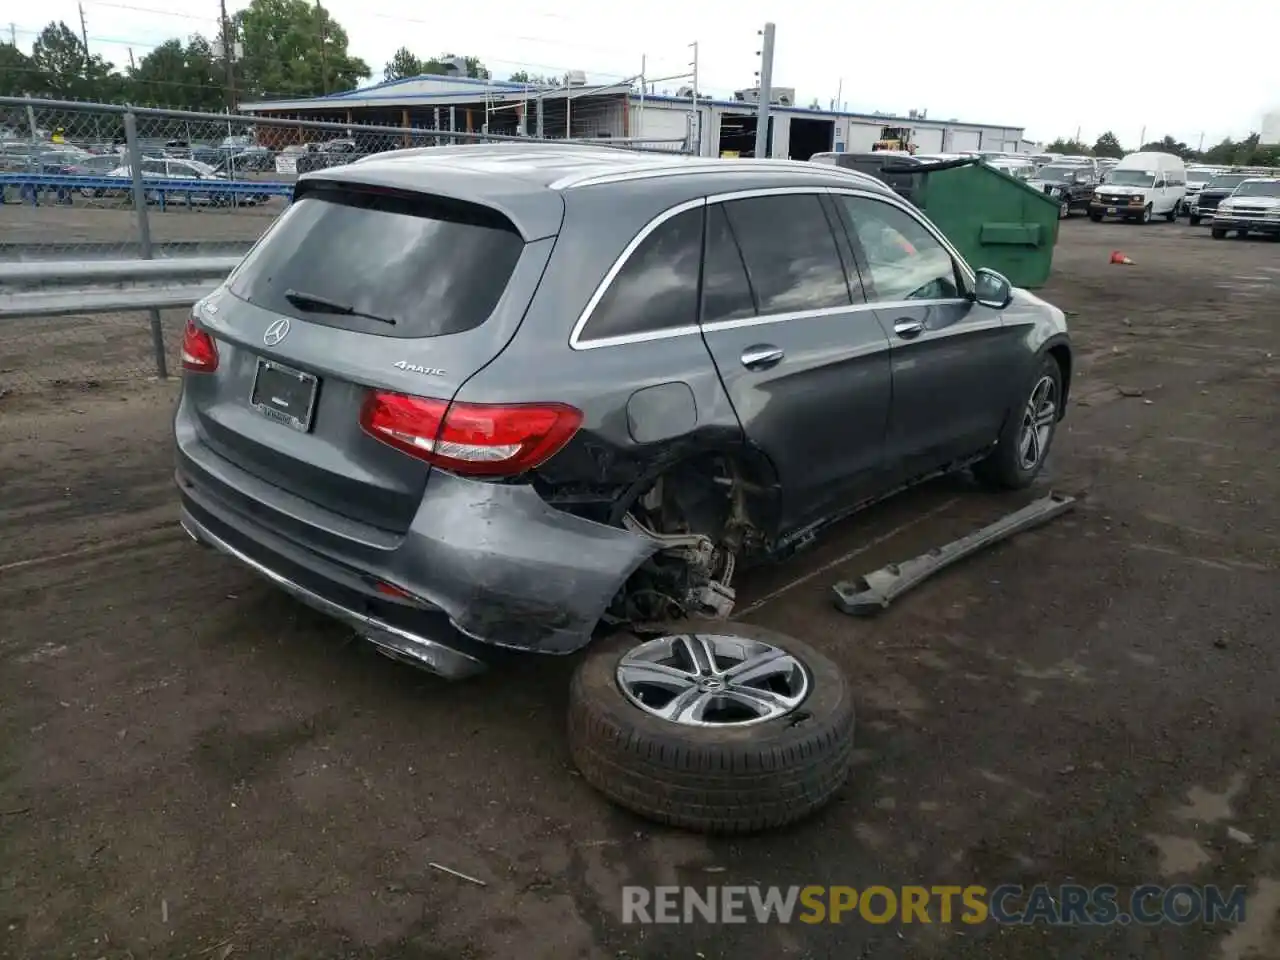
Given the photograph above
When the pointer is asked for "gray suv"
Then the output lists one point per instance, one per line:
(493, 397)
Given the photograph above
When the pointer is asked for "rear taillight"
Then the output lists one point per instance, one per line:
(479, 439)
(199, 352)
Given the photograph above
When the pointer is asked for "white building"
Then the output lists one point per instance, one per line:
(798, 132)
(620, 112)
(1269, 133)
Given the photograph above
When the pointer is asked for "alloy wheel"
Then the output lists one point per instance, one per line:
(1037, 423)
(698, 679)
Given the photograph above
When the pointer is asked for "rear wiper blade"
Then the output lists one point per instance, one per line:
(318, 304)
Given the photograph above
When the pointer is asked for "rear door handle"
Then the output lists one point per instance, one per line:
(908, 329)
(762, 356)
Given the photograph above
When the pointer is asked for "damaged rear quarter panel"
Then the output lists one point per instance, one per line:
(510, 570)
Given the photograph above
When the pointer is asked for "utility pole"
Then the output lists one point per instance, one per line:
(1142, 137)
(766, 92)
(1199, 149)
(839, 94)
(132, 65)
(84, 37)
(324, 55)
(640, 119)
(228, 55)
(697, 117)
(13, 35)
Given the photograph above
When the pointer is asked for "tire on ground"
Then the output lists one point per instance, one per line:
(728, 779)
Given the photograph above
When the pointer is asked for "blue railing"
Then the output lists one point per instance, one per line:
(158, 189)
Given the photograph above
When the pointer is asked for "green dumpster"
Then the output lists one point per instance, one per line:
(993, 219)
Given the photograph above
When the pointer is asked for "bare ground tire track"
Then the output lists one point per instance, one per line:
(199, 762)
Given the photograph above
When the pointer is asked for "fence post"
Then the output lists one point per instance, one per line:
(144, 231)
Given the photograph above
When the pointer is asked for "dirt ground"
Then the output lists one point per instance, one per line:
(195, 766)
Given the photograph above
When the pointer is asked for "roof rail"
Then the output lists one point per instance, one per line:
(702, 165)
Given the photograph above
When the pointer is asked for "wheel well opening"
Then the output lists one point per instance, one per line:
(1062, 356)
(709, 511)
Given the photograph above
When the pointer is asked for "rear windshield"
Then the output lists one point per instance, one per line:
(387, 264)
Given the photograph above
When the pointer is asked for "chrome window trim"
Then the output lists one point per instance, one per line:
(576, 343)
(603, 286)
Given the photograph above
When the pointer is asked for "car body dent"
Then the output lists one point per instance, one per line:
(504, 566)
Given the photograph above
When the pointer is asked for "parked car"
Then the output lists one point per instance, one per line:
(1073, 160)
(1015, 167)
(155, 173)
(426, 312)
(1140, 187)
(1197, 178)
(1070, 184)
(887, 166)
(468, 406)
(249, 160)
(1253, 207)
(1205, 203)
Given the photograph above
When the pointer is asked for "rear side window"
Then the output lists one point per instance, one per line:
(388, 264)
(657, 287)
(790, 253)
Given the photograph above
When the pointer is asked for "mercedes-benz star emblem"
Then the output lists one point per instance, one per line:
(276, 332)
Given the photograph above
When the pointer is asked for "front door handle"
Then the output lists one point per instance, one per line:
(908, 329)
(762, 356)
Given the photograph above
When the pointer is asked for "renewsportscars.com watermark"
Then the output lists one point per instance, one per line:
(1051, 905)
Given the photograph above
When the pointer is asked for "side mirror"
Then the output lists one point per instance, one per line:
(992, 289)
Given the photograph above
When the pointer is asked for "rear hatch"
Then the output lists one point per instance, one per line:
(359, 288)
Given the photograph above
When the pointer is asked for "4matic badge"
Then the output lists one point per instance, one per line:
(418, 368)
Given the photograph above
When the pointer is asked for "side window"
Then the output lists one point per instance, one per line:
(657, 288)
(726, 291)
(790, 253)
(153, 166)
(904, 259)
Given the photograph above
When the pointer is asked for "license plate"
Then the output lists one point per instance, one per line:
(284, 395)
(1111, 210)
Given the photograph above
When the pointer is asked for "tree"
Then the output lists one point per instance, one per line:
(1169, 145)
(443, 65)
(18, 73)
(294, 49)
(178, 74)
(534, 79)
(59, 58)
(1108, 145)
(401, 65)
(1070, 147)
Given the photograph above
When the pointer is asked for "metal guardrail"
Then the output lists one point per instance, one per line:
(22, 252)
(156, 189)
(64, 288)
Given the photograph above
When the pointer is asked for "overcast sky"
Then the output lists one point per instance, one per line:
(1122, 65)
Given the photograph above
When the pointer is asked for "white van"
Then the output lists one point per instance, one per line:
(1141, 186)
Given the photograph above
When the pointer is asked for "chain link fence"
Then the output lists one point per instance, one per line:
(85, 181)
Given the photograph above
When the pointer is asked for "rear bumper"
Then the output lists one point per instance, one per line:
(482, 567)
(439, 656)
